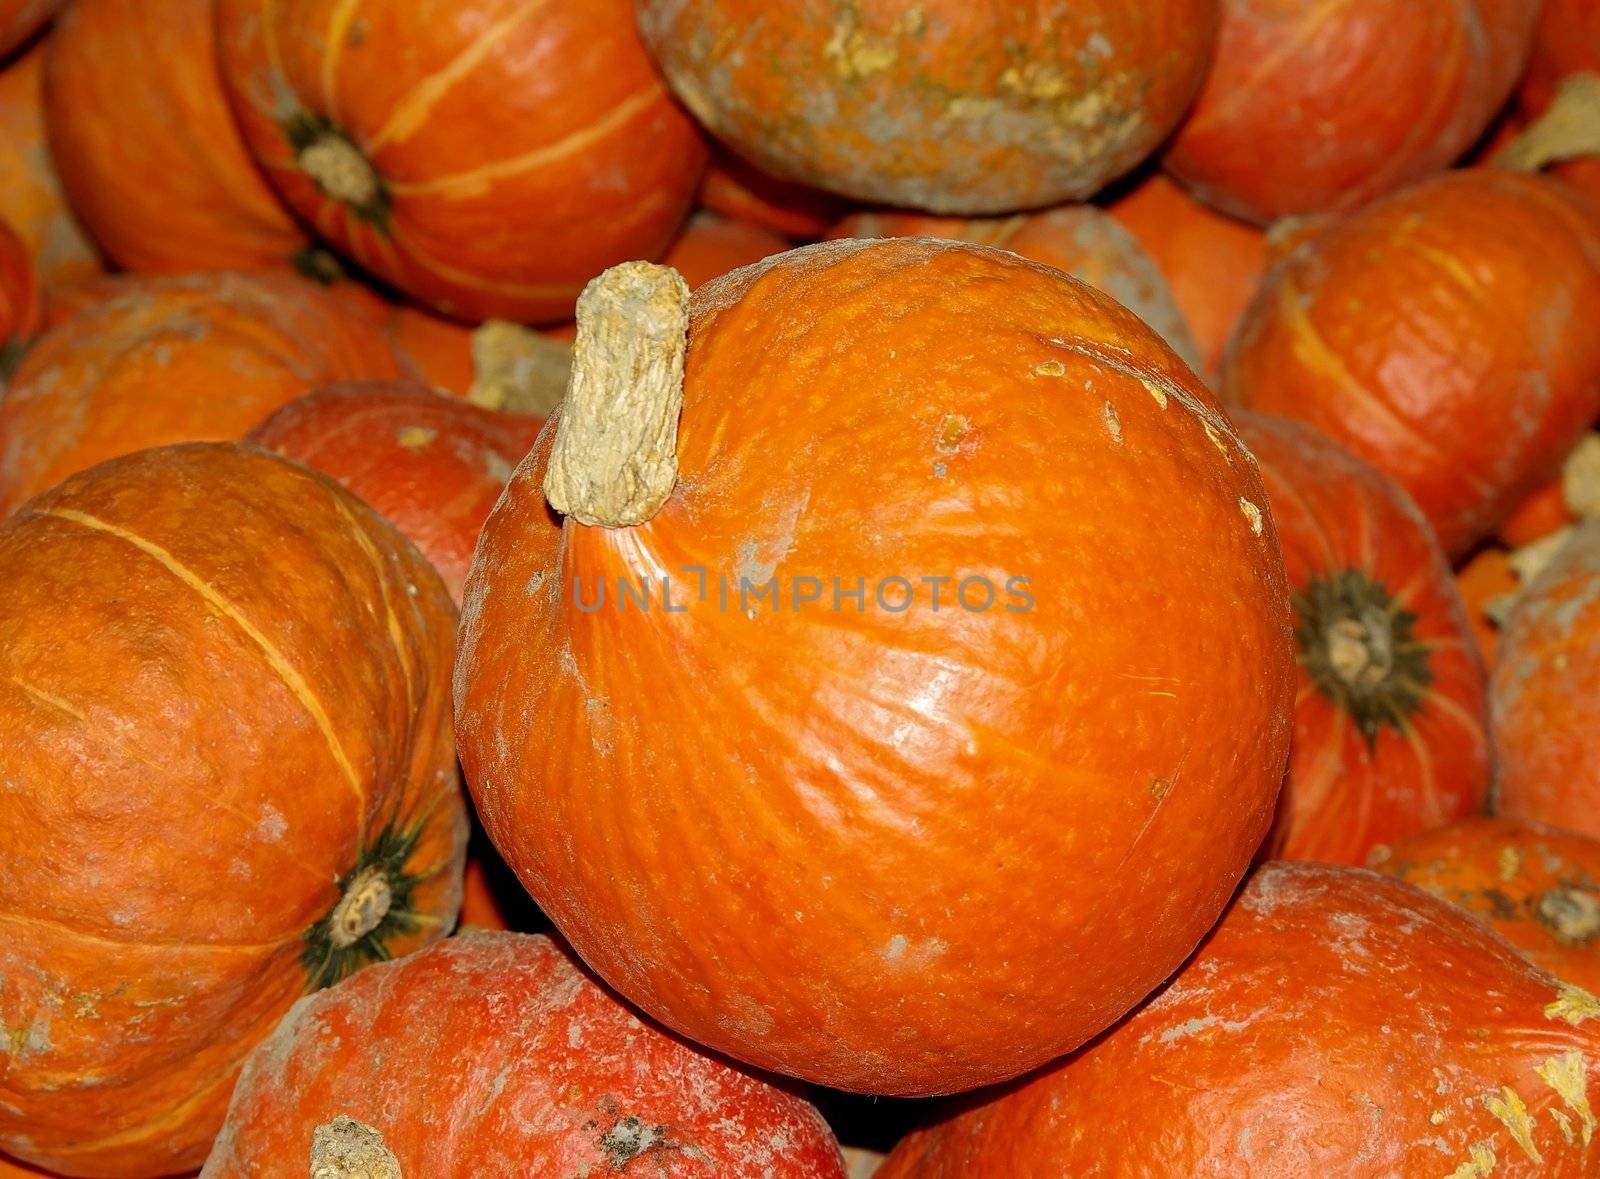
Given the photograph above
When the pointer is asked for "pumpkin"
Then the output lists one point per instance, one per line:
(1335, 1023)
(1313, 106)
(1079, 239)
(224, 680)
(1487, 581)
(1444, 334)
(711, 245)
(19, 299)
(20, 19)
(1541, 513)
(946, 106)
(496, 1054)
(1211, 263)
(30, 197)
(488, 161)
(432, 349)
(1544, 693)
(861, 1164)
(1391, 719)
(14, 1170)
(432, 465)
(734, 189)
(199, 357)
(1536, 886)
(809, 866)
(145, 144)
(1566, 41)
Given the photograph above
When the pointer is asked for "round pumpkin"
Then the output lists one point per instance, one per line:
(488, 160)
(496, 1054)
(711, 245)
(1566, 41)
(1445, 334)
(948, 106)
(1212, 263)
(30, 194)
(224, 680)
(434, 350)
(146, 147)
(1079, 239)
(736, 190)
(194, 358)
(20, 310)
(1335, 1023)
(1391, 719)
(20, 19)
(1314, 106)
(791, 822)
(1544, 511)
(1536, 886)
(1487, 581)
(1546, 693)
(432, 465)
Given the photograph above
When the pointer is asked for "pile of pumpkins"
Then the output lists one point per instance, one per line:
(591, 587)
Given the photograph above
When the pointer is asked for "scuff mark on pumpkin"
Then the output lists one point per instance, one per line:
(952, 431)
(415, 437)
(1512, 1112)
(1050, 368)
(1481, 1161)
(1252, 514)
(1574, 1005)
(1113, 422)
(1568, 1075)
(1510, 863)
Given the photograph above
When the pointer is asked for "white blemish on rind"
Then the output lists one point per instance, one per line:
(1512, 1112)
(1568, 1075)
(1113, 422)
(1252, 514)
(1574, 1005)
(1481, 1162)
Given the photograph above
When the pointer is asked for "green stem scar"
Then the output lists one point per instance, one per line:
(341, 171)
(375, 906)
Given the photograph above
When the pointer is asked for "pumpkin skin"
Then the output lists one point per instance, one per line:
(21, 19)
(432, 465)
(146, 147)
(1079, 239)
(1392, 713)
(436, 351)
(1486, 579)
(947, 106)
(194, 358)
(1212, 263)
(1536, 886)
(1314, 107)
(20, 309)
(1444, 334)
(1546, 713)
(31, 201)
(734, 189)
(209, 649)
(497, 142)
(1281, 1051)
(710, 246)
(848, 406)
(1566, 41)
(1543, 512)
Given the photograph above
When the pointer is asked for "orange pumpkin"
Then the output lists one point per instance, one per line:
(1536, 886)
(1391, 722)
(1079, 239)
(1537, 516)
(1212, 263)
(1486, 581)
(30, 194)
(947, 106)
(1335, 1023)
(20, 19)
(434, 350)
(145, 144)
(489, 159)
(496, 1054)
(19, 299)
(432, 465)
(1313, 106)
(737, 190)
(1567, 40)
(710, 246)
(176, 359)
(1445, 334)
(1546, 693)
(809, 873)
(224, 680)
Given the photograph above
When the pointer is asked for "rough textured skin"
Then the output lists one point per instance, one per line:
(711, 245)
(222, 680)
(1323, 105)
(432, 465)
(30, 196)
(20, 19)
(1546, 693)
(1336, 1024)
(1212, 263)
(201, 357)
(897, 852)
(520, 147)
(146, 147)
(1428, 759)
(1567, 40)
(1445, 334)
(1079, 239)
(493, 1055)
(20, 309)
(1536, 886)
(944, 105)
(737, 190)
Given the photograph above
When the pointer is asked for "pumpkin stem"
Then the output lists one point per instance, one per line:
(362, 908)
(614, 461)
(338, 166)
(347, 1149)
(1568, 129)
(518, 370)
